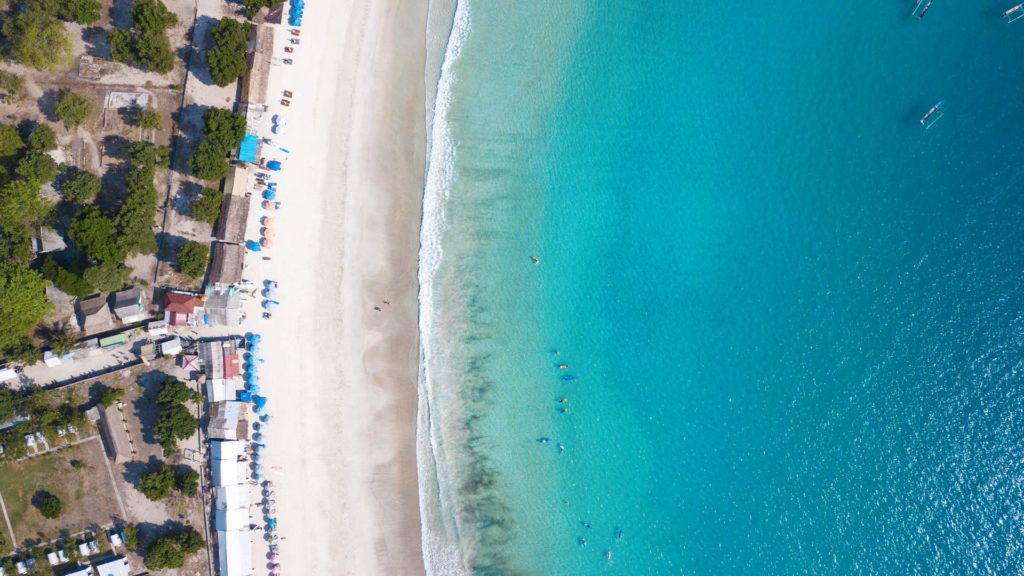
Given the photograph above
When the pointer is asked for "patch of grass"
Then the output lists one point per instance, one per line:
(84, 490)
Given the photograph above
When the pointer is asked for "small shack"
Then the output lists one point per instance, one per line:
(128, 305)
(180, 307)
(93, 314)
(115, 435)
(226, 264)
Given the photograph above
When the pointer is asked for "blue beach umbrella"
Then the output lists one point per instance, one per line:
(257, 437)
(266, 418)
(254, 388)
(257, 458)
(269, 194)
(253, 245)
(245, 397)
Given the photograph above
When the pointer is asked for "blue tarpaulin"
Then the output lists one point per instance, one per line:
(274, 165)
(247, 151)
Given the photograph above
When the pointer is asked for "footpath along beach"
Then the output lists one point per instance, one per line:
(341, 376)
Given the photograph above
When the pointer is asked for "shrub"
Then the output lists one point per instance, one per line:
(148, 119)
(39, 40)
(149, 156)
(253, 6)
(80, 187)
(42, 138)
(131, 537)
(73, 109)
(110, 396)
(48, 504)
(157, 484)
(227, 59)
(11, 84)
(69, 281)
(207, 207)
(224, 128)
(192, 257)
(97, 236)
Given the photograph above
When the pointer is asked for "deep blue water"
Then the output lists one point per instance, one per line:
(794, 316)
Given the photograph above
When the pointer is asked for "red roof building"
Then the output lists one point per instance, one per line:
(180, 307)
(232, 366)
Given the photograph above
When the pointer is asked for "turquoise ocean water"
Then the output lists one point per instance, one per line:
(794, 317)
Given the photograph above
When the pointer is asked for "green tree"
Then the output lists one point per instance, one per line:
(37, 167)
(145, 45)
(175, 422)
(110, 396)
(10, 141)
(192, 258)
(173, 391)
(207, 207)
(73, 109)
(21, 350)
(208, 162)
(157, 483)
(62, 338)
(149, 156)
(83, 12)
(135, 219)
(97, 236)
(164, 552)
(253, 6)
(224, 128)
(42, 138)
(227, 59)
(21, 205)
(187, 482)
(107, 276)
(69, 281)
(7, 404)
(148, 119)
(39, 40)
(80, 187)
(23, 302)
(48, 504)
(189, 540)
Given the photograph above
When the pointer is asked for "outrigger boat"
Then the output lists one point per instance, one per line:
(933, 115)
(1014, 14)
(924, 10)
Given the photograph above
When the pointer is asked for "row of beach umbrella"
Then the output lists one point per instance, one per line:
(295, 14)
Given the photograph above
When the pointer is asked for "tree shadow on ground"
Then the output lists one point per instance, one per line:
(47, 104)
(121, 13)
(145, 407)
(148, 531)
(112, 193)
(169, 246)
(187, 194)
(203, 41)
(97, 43)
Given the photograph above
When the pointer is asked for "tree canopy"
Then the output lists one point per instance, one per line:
(253, 6)
(107, 276)
(96, 235)
(224, 131)
(37, 167)
(156, 484)
(170, 551)
(110, 395)
(227, 58)
(73, 109)
(135, 219)
(48, 504)
(192, 258)
(207, 207)
(146, 44)
(68, 280)
(38, 39)
(10, 141)
(23, 302)
(83, 12)
(175, 421)
(42, 138)
(80, 187)
(21, 205)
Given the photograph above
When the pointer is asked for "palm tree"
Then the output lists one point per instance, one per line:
(62, 338)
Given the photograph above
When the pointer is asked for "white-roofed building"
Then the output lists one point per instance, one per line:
(233, 496)
(116, 566)
(234, 552)
(7, 374)
(226, 449)
(227, 472)
(232, 519)
(80, 571)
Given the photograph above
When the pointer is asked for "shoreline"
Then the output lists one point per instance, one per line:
(341, 376)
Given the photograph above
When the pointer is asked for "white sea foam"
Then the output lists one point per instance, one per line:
(442, 553)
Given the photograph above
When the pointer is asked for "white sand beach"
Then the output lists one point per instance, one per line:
(340, 376)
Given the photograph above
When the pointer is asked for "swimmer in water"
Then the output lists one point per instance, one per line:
(544, 440)
(563, 399)
(586, 524)
(564, 410)
(561, 448)
(618, 534)
(583, 541)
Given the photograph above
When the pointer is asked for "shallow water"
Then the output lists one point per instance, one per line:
(793, 316)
